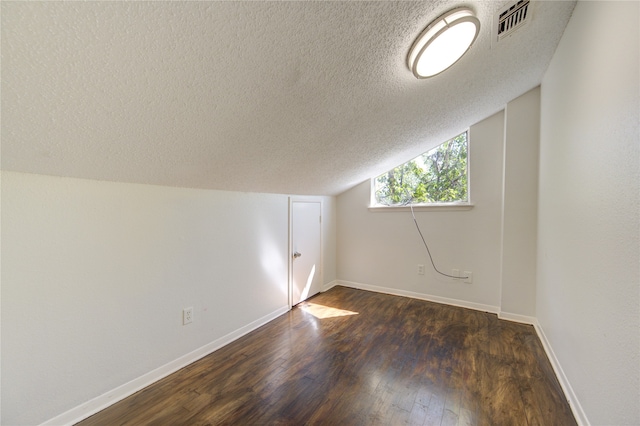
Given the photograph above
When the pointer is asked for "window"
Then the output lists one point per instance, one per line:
(435, 177)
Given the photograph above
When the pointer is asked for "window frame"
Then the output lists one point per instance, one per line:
(374, 206)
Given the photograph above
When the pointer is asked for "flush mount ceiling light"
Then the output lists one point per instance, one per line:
(443, 42)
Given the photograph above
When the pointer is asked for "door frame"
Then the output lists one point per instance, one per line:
(304, 199)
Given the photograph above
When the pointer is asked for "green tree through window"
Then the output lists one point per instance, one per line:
(437, 176)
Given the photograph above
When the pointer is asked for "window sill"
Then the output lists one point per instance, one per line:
(424, 207)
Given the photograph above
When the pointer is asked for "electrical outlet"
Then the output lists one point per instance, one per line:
(469, 276)
(455, 273)
(187, 316)
(420, 269)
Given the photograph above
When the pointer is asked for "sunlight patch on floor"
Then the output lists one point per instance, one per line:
(322, 312)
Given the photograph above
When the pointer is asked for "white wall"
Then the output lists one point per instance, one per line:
(383, 249)
(520, 205)
(329, 234)
(95, 276)
(588, 226)
(496, 240)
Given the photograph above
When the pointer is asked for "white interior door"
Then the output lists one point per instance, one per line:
(305, 250)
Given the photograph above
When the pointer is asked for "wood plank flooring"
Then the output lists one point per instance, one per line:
(352, 357)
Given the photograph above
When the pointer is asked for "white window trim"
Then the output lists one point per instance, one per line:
(441, 207)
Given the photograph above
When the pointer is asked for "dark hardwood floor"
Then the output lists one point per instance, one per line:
(352, 357)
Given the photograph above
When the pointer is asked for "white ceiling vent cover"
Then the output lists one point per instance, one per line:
(511, 18)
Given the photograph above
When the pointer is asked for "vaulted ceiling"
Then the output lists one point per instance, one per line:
(283, 97)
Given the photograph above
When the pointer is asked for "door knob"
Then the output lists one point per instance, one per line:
(296, 255)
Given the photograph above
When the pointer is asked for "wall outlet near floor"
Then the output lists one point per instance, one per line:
(187, 316)
(469, 276)
(420, 269)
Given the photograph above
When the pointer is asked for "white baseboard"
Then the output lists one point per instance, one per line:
(103, 401)
(329, 286)
(576, 408)
(517, 318)
(421, 296)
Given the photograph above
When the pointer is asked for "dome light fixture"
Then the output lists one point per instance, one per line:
(443, 42)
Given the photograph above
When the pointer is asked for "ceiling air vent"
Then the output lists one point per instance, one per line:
(510, 18)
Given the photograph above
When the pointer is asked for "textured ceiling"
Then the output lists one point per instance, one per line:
(284, 97)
